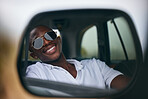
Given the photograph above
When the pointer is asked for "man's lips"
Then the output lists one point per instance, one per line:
(50, 49)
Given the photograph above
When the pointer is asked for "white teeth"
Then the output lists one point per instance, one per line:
(51, 49)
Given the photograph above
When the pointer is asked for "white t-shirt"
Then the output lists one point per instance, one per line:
(90, 72)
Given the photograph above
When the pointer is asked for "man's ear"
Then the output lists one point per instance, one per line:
(33, 55)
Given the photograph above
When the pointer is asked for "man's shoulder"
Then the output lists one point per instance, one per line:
(35, 65)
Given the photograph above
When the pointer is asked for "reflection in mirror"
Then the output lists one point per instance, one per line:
(66, 51)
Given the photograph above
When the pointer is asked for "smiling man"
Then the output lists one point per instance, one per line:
(47, 46)
(43, 46)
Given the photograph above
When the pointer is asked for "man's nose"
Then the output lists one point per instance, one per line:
(46, 42)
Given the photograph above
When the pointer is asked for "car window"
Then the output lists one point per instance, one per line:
(116, 48)
(89, 43)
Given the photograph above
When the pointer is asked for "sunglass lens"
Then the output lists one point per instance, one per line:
(38, 43)
(50, 35)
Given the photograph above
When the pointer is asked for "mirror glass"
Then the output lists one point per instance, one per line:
(79, 53)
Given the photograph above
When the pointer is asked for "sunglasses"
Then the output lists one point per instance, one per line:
(38, 42)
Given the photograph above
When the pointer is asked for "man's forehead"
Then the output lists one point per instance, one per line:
(37, 31)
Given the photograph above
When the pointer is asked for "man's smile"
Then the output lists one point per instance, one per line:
(50, 49)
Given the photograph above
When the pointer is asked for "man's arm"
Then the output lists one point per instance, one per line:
(120, 82)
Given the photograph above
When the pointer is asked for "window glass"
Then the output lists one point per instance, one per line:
(126, 35)
(89, 46)
(116, 49)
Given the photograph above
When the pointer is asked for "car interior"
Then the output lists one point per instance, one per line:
(108, 35)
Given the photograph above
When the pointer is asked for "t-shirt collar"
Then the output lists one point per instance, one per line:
(77, 64)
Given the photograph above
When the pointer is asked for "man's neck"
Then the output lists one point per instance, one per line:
(61, 62)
